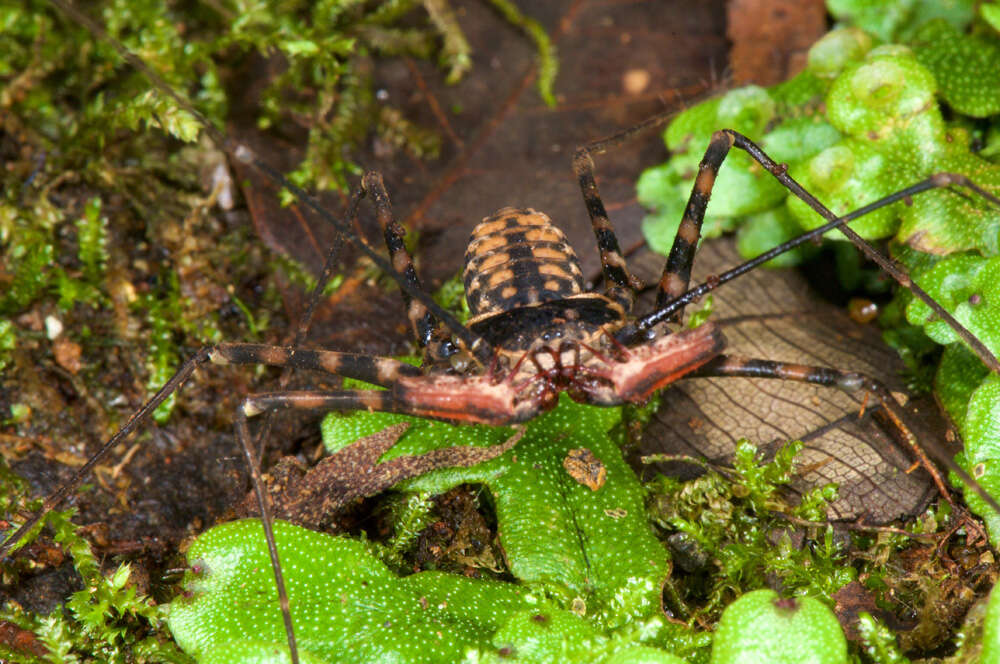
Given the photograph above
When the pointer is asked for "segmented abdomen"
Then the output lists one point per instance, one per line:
(517, 258)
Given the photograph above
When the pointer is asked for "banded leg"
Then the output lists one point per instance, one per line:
(422, 321)
(677, 272)
(673, 294)
(382, 371)
(849, 381)
(267, 403)
(779, 171)
(375, 370)
(620, 286)
(383, 401)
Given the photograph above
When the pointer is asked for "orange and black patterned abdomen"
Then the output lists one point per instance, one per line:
(517, 258)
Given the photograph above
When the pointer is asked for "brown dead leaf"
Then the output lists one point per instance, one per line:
(773, 315)
(854, 598)
(312, 498)
(771, 38)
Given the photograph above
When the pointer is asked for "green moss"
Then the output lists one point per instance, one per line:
(863, 121)
(345, 602)
(732, 523)
(991, 629)
(766, 230)
(105, 621)
(990, 12)
(348, 607)
(577, 598)
(981, 457)
(541, 512)
(327, 48)
(548, 63)
(828, 56)
(891, 20)
(879, 641)
(879, 128)
(966, 285)
(8, 341)
(967, 67)
(30, 253)
(761, 627)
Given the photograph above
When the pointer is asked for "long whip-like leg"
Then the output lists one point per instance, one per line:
(673, 294)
